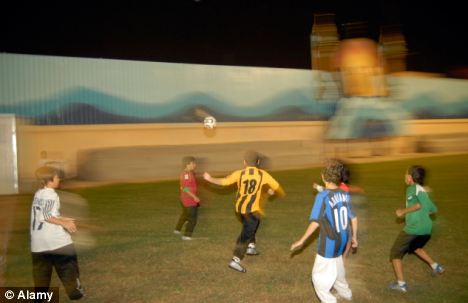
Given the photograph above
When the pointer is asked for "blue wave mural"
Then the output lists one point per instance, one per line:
(425, 106)
(56, 90)
(86, 106)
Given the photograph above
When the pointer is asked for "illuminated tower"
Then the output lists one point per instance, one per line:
(393, 44)
(324, 42)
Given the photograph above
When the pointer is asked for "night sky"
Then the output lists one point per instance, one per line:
(246, 33)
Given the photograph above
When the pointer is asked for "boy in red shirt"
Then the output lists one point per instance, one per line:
(189, 198)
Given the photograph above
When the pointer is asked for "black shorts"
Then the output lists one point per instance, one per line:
(406, 243)
(65, 262)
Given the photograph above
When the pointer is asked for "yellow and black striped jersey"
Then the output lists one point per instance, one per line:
(250, 181)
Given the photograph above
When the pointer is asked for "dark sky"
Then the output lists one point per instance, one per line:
(248, 33)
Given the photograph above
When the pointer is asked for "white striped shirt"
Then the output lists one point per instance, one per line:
(46, 236)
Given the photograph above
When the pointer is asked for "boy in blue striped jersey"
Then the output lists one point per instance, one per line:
(333, 214)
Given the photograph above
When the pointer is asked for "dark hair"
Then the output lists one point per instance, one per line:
(251, 158)
(332, 172)
(418, 173)
(345, 174)
(187, 160)
(46, 174)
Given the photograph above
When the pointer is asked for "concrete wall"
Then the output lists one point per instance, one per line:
(40, 144)
(62, 145)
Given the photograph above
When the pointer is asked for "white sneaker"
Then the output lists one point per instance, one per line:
(438, 270)
(237, 266)
(251, 250)
(185, 238)
(402, 288)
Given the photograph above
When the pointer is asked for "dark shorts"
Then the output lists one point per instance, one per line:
(65, 262)
(407, 244)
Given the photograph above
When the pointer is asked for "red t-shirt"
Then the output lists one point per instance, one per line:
(344, 187)
(350, 189)
(187, 183)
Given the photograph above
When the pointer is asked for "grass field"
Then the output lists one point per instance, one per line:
(137, 258)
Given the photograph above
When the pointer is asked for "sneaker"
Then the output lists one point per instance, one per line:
(438, 270)
(396, 286)
(237, 266)
(185, 238)
(177, 232)
(251, 251)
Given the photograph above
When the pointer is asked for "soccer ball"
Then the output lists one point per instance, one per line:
(209, 122)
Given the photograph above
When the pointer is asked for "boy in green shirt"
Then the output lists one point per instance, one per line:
(418, 227)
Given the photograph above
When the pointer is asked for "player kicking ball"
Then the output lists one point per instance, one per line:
(250, 181)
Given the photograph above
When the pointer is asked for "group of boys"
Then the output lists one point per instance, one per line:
(332, 213)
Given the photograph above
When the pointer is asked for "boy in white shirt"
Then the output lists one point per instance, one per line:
(51, 243)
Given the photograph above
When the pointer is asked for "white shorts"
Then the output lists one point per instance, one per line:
(329, 273)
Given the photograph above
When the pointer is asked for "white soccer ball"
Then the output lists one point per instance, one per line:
(209, 122)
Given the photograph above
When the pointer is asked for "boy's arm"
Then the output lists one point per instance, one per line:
(188, 192)
(211, 179)
(318, 187)
(309, 231)
(275, 187)
(67, 223)
(403, 211)
(354, 227)
(279, 191)
(232, 178)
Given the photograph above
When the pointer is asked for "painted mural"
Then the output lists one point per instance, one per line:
(49, 90)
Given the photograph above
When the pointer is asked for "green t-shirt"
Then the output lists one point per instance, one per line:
(419, 222)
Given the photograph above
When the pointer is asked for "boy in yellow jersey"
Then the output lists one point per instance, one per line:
(250, 181)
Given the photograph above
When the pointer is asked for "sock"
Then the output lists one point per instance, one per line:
(401, 283)
(236, 259)
(434, 265)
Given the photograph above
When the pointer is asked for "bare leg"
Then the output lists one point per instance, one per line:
(424, 256)
(398, 268)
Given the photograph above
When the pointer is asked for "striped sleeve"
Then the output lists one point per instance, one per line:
(317, 209)
(268, 179)
(232, 178)
(47, 211)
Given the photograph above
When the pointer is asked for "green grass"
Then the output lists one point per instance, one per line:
(137, 258)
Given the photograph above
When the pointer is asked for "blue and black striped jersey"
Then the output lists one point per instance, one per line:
(332, 211)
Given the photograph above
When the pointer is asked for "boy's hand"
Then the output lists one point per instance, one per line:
(196, 199)
(317, 187)
(296, 245)
(400, 212)
(69, 225)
